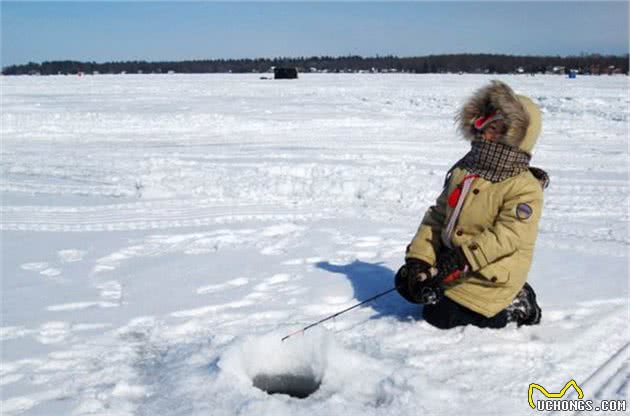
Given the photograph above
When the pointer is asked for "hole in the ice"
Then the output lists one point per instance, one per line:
(295, 385)
(296, 368)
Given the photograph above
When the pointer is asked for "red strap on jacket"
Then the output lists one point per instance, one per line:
(457, 192)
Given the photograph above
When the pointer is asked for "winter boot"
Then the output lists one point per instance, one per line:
(524, 310)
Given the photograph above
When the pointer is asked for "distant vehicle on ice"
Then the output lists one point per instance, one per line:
(285, 73)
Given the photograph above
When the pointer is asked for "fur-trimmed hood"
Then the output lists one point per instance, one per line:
(521, 116)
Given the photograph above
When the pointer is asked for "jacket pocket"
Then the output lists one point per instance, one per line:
(495, 273)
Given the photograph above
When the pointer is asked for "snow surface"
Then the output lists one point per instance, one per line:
(160, 234)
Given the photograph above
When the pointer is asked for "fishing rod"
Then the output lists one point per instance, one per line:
(428, 295)
(339, 313)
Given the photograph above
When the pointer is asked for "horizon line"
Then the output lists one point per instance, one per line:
(303, 57)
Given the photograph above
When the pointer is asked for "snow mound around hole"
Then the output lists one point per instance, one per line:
(295, 367)
(310, 366)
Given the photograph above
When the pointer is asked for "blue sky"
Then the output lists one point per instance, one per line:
(100, 31)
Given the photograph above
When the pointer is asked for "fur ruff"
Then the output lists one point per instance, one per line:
(497, 96)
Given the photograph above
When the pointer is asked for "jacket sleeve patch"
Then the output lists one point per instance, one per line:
(524, 211)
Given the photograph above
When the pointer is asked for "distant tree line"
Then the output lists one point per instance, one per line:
(468, 63)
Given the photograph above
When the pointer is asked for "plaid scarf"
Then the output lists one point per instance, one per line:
(494, 161)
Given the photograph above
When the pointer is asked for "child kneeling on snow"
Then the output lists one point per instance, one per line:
(469, 260)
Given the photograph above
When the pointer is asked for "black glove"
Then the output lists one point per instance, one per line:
(412, 278)
(418, 282)
(450, 265)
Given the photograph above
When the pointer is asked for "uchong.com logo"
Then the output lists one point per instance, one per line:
(559, 403)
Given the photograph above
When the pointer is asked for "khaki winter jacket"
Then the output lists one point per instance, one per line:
(498, 223)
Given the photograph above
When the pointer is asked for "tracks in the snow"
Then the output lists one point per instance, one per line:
(143, 216)
(606, 381)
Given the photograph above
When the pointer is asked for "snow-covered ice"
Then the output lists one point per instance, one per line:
(160, 234)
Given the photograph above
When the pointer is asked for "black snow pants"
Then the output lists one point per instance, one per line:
(448, 314)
